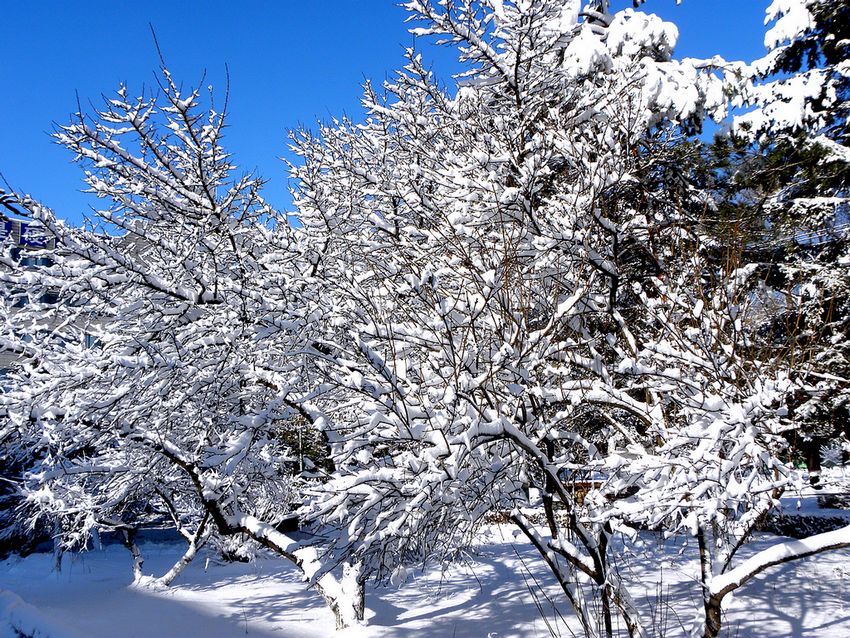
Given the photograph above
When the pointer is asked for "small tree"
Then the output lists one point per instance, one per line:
(175, 351)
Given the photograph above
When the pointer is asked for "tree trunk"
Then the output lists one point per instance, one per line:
(711, 602)
(196, 541)
(58, 552)
(95, 540)
(353, 583)
(605, 592)
(178, 567)
(812, 453)
(605, 589)
(138, 559)
(713, 618)
(344, 597)
(343, 603)
(619, 595)
(549, 489)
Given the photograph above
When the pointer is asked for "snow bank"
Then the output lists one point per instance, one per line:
(20, 618)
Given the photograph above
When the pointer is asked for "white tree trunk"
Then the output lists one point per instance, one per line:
(138, 559)
(191, 551)
(344, 597)
(58, 552)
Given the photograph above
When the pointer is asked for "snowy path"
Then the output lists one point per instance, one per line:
(491, 594)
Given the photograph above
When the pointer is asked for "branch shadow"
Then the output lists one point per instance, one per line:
(486, 596)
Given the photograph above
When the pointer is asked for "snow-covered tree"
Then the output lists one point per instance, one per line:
(495, 263)
(523, 292)
(515, 288)
(799, 117)
(164, 373)
(774, 272)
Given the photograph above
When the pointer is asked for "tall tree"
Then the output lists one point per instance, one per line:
(497, 265)
(522, 288)
(801, 178)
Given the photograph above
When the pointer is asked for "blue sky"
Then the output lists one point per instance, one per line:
(291, 63)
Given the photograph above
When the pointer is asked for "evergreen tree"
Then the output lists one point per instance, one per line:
(795, 183)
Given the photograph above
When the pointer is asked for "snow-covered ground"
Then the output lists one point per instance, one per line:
(499, 591)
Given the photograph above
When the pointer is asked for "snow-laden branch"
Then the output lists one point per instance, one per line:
(778, 554)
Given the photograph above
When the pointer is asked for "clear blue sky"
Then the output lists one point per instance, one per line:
(291, 63)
